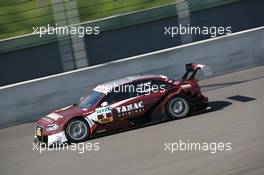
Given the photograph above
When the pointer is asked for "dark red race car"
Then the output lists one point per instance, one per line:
(124, 103)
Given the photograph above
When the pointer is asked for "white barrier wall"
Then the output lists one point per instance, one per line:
(30, 100)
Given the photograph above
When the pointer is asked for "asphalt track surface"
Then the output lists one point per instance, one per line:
(141, 151)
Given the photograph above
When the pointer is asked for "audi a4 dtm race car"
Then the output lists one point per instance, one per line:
(121, 104)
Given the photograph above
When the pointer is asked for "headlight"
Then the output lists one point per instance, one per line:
(52, 127)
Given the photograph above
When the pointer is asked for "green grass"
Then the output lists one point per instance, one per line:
(17, 17)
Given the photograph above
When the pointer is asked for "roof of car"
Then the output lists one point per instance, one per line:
(107, 86)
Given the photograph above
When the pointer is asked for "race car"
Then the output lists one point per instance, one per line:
(121, 104)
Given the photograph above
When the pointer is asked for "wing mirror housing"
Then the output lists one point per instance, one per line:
(105, 103)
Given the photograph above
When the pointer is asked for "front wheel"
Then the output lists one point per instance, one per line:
(77, 130)
(178, 107)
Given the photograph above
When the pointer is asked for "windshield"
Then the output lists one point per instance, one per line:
(90, 99)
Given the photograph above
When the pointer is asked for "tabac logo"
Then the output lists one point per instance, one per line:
(130, 109)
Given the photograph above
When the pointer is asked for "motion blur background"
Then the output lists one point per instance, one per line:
(127, 28)
(130, 28)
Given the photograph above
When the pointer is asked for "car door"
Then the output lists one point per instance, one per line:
(144, 93)
(123, 106)
(150, 92)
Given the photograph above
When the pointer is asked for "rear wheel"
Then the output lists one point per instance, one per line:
(178, 107)
(77, 130)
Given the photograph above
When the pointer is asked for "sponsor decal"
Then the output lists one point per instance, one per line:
(185, 86)
(176, 82)
(47, 119)
(104, 114)
(130, 109)
(54, 116)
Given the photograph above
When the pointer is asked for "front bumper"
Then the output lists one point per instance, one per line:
(42, 137)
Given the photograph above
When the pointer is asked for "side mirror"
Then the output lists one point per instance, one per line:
(104, 104)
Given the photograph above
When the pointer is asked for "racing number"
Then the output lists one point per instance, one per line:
(104, 114)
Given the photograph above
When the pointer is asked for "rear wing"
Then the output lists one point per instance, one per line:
(192, 68)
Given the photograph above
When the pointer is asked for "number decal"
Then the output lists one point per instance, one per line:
(104, 114)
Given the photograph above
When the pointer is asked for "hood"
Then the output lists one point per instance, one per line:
(61, 116)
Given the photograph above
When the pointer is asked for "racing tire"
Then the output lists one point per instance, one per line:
(77, 130)
(178, 107)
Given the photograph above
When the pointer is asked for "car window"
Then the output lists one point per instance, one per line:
(160, 84)
(120, 93)
(90, 99)
(141, 87)
(145, 87)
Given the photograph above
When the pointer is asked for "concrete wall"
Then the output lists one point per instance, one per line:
(30, 100)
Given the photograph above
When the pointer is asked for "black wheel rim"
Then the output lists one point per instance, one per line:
(77, 130)
(177, 107)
